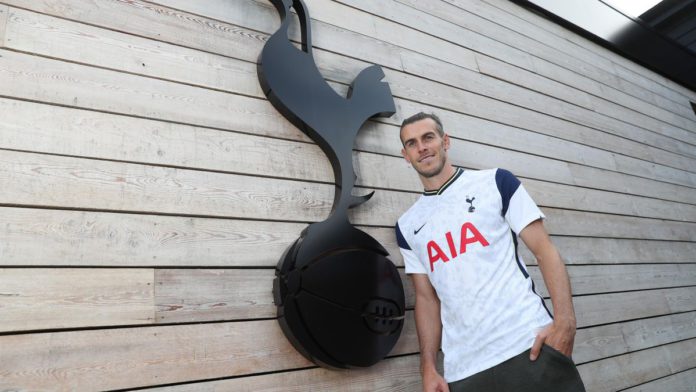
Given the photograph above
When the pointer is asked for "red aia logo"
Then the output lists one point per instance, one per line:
(436, 253)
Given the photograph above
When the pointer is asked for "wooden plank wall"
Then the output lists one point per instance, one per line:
(147, 187)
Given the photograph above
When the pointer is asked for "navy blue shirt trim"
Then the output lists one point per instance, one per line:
(517, 255)
(400, 240)
(507, 185)
(526, 274)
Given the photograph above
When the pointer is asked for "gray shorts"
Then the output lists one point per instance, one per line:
(551, 372)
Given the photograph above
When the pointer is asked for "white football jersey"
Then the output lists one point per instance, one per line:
(464, 237)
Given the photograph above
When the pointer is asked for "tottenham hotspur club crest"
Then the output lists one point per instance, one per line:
(340, 300)
(471, 203)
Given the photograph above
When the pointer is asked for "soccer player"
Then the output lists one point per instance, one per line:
(473, 293)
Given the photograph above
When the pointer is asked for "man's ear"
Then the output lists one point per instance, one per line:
(446, 141)
(403, 154)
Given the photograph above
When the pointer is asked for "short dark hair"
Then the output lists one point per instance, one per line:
(422, 116)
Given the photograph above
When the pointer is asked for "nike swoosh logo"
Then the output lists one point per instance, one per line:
(419, 229)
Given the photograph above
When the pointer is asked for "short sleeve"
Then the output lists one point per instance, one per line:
(518, 208)
(411, 262)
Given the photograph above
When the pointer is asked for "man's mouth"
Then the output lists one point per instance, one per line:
(426, 158)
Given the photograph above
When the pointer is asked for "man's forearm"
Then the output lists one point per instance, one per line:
(561, 333)
(429, 327)
(558, 284)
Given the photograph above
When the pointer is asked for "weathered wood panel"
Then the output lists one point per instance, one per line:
(123, 358)
(620, 338)
(192, 295)
(679, 382)
(552, 52)
(141, 356)
(564, 196)
(576, 250)
(583, 51)
(28, 77)
(206, 295)
(67, 182)
(184, 146)
(394, 374)
(113, 137)
(577, 223)
(53, 299)
(91, 99)
(627, 80)
(39, 298)
(331, 69)
(4, 10)
(121, 240)
(616, 307)
(161, 143)
(655, 83)
(624, 371)
(128, 187)
(186, 295)
(601, 105)
(430, 26)
(326, 380)
(59, 38)
(459, 100)
(62, 298)
(437, 25)
(623, 74)
(131, 357)
(590, 279)
(393, 11)
(107, 239)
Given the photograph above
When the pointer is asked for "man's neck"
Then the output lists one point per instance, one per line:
(436, 182)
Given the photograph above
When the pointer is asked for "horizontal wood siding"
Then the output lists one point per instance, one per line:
(148, 188)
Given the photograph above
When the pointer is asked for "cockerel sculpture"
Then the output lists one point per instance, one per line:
(340, 300)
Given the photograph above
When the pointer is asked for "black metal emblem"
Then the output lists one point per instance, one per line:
(340, 299)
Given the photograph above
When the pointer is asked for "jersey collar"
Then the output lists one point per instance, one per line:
(446, 184)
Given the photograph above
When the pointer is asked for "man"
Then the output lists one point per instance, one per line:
(473, 292)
